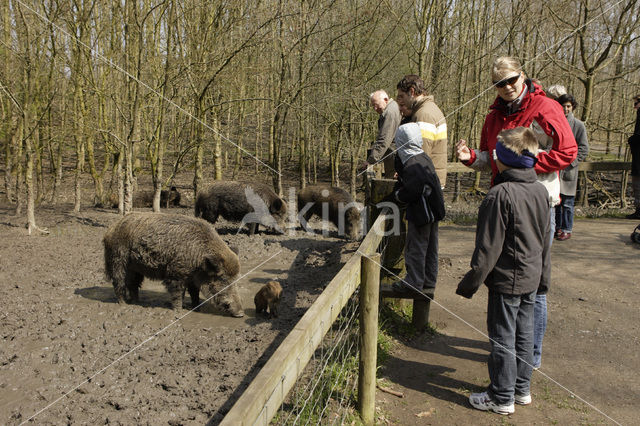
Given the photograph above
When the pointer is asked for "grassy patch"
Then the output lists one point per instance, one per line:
(395, 320)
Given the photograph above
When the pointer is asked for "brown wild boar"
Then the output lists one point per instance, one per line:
(252, 204)
(330, 203)
(184, 252)
(268, 295)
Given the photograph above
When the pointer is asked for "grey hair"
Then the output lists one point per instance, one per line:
(379, 91)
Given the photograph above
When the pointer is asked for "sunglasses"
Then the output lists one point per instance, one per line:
(510, 81)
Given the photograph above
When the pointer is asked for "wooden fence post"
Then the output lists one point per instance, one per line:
(369, 293)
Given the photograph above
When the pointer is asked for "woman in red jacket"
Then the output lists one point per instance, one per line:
(521, 102)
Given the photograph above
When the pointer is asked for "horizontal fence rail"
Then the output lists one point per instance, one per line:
(261, 400)
(586, 166)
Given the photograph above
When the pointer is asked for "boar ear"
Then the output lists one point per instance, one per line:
(213, 263)
(276, 206)
(235, 250)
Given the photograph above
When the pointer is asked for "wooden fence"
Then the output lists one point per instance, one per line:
(584, 183)
(264, 396)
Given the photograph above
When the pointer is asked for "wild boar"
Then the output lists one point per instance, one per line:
(252, 204)
(168, 198)
(268, 296)
(330, 203)
(186, 253)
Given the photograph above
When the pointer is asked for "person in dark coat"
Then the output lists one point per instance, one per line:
(512, 258)
(569, 176)
(419, 188)
(634, 146)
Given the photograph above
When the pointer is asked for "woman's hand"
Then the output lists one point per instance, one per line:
(462, 150)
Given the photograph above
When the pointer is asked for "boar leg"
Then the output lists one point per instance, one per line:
(176, 290)
(273, 309)
(253, 228)
(132, 282)
(194, 292)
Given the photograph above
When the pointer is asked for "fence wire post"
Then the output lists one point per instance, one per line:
(369, 296)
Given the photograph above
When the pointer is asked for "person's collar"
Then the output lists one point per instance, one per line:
(514, 105)
(419, 101)
(515, 175)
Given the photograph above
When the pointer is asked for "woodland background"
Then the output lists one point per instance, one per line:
(275, 89)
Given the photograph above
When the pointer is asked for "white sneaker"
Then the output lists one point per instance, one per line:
(482, 401)
(523, 399)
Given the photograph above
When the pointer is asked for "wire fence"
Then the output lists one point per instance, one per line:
(326, 391)
(312, 376)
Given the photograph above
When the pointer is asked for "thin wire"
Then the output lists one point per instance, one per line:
(151, 89)
(326, 358)
(146, 341)
(490, 339)
(324, 361)
(345, 410)
(339, 345)
(343, 365)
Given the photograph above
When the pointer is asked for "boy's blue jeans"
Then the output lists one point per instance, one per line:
(540, 314)
(510, 327)
(564, 213)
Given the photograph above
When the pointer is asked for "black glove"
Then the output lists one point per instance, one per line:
(464, 293)
(390, 198)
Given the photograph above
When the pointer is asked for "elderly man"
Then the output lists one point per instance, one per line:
(382, 149)
(417, 106)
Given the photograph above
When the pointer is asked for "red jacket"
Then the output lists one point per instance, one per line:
(549, 116)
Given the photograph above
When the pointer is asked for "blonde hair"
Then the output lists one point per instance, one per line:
(504, 66)
(519, 140)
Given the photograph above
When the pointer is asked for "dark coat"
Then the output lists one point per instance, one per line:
(512, 254)
(419, 187)
(569, 176)
(387, 125)
(634, 144)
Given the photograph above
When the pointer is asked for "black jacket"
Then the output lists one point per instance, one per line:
(419, 187)
(634, 144)
(512, 254)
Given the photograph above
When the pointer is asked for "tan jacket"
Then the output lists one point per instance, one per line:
(434, 134)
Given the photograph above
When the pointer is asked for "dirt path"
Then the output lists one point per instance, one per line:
(591, 349)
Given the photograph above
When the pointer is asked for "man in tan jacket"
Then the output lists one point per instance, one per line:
(417, 106)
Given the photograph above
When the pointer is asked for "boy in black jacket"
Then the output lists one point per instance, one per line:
(419, 188)
(512, 258)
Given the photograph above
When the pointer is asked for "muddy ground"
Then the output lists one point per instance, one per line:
(71, 355)
(62, 329)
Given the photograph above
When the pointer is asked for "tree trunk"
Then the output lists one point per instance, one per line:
(8, 164)
(217, 149)
(78, 175)
(19, 167)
